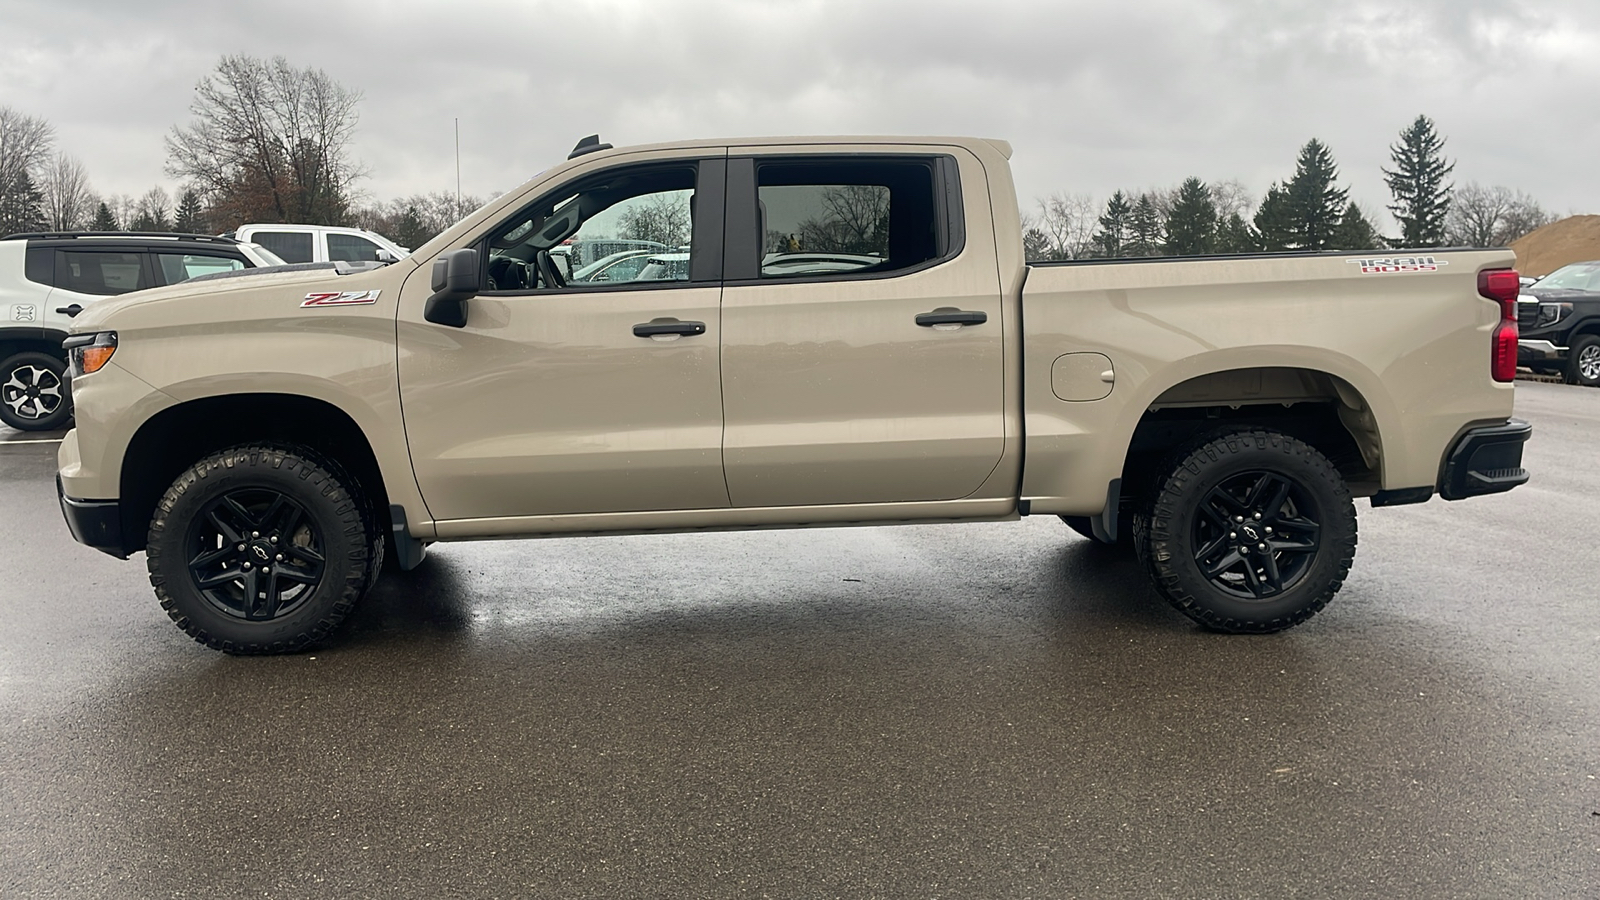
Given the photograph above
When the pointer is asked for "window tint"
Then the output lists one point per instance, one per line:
(176, 267)
(822, 218)
(290, 246)
(90, 272)
(350, 248)
(631, 226)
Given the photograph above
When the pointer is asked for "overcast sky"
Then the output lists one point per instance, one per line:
(1094, 95)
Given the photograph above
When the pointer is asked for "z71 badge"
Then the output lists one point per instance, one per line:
(337, 298)
(1389, 265)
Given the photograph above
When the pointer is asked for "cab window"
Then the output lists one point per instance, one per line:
(630, 227)
(350, 248)
(290, 246)
(95, 272)
(176, 267)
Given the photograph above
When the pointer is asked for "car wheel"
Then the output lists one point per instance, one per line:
(1583, 361)
(33, 392)
(1251, 532)
(262, 549)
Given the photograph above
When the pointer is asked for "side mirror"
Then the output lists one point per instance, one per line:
(455, 281)
(384, 256)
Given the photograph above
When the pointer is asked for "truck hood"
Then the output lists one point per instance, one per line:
(327, 275)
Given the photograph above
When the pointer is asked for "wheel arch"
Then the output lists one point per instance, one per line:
(173, 439)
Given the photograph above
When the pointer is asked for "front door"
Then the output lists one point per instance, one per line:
(572, 389)
(862, 359)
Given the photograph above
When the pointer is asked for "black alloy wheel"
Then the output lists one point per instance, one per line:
(1251, 531)
(255, 554)
(262, 548)
(1257, 534)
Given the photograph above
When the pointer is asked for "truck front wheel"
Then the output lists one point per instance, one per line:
(1251, 532)
(262, 549)
(1583, 361)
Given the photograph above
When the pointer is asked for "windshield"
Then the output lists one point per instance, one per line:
(1577, 277)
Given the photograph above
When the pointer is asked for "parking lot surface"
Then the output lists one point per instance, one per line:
(996, 710)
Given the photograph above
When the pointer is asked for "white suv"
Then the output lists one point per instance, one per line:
(47, 279)
(322, 243)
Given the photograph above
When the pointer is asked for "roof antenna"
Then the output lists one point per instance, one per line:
(590, 144)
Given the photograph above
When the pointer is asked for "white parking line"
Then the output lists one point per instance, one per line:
(38, 441)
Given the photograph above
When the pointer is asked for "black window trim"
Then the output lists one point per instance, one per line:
(705, 270)
(741, 228)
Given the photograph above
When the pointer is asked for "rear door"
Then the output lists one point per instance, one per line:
(862, 357)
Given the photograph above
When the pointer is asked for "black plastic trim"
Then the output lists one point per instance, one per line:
(93, 523)
(1105, 524)
(1485, 460)
(1402, 496)
(408, 551)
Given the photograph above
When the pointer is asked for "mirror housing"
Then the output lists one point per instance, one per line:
(455, 281)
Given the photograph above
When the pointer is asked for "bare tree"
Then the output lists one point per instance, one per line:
(663, 218)
(269, 141)
(1495, 216)
(1232, 197)
(1063, 226)
(413, 221)
(152, 211)
(69, 202)
(25, 143)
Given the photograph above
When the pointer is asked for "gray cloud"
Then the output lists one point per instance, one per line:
(1094, 96)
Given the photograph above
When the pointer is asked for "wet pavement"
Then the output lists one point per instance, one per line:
(985, 711)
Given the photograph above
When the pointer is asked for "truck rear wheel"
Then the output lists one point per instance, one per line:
(33, 392)
(1251, 532)
(262, 549)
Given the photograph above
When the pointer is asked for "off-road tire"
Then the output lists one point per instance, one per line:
(1583, 361)
(336, 516)
(1165, 533)
(25, 366)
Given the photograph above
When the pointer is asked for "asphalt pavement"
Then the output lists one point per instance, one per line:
(986, 711)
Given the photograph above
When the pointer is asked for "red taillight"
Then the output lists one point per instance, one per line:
(1502, 286)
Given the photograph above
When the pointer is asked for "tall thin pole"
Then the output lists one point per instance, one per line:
(458, 167)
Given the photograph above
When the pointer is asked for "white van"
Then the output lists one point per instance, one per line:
(321, 243)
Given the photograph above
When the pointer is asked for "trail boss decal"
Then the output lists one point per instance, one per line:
(336, 298)
(1389, 265)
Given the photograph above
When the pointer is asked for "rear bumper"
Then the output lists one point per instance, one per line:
(1485, 460)
(95, 523)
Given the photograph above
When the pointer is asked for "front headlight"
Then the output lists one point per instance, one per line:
(89, 352)
(1551, 313)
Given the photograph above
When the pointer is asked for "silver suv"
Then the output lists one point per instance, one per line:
(46, 279)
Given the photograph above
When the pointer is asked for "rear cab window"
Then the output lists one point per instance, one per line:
(838, 218)
(290, 246)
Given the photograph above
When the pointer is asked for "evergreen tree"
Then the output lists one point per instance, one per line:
(1035, 244)
(189, 218)
(1192, 223)
(1354, 231)
(1144, 228)
(1111, 240)
(1421, 197)
(104, 220)
(1315, 205)
(1274, 221)
(21, 206)
(1234, 235)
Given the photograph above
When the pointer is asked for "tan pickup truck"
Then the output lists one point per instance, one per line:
(775, 333)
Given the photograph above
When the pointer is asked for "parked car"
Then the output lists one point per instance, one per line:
(621, 266)
(48, 278)
(265, 451)
(321, 243)
(1559, 319)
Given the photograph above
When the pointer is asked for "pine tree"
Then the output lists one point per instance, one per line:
(1421, 197)
(1192, 224)
(1274, 220)
(104, 220)
(1315, 205)
(1354, 231)
(1144, 228)
(21, 206)
(1234, 235)
(1111, 240)
(189, 218)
